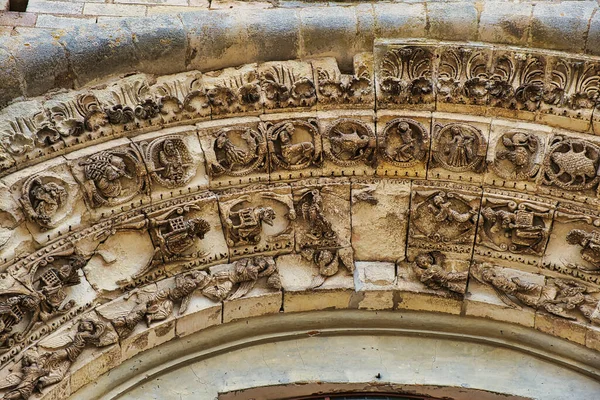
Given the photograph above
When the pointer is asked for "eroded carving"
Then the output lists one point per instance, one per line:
(238, 152)
(287, 85)
(430, 269)
(463, 76)
(517, 156)
(42, 198)
(572, 164)
(590, 248)
(406, 75)
(294, 145)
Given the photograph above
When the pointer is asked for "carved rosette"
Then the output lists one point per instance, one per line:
(113, 176)
(169, 161)
(404, 142)
(517, 156)
(350, 142)
(571, 164)
(238, 152)
(406, 76)
(458, 147)
(294, 145)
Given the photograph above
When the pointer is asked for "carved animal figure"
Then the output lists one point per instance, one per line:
(245, 225)
(351, 144)
(575, 164)
(46, 199)
(312, 211)
(294, 153)
(519, 149)
(590, 247)
(231, 156)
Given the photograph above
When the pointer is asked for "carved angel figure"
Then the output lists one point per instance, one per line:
(571, 296)
(45, 200)
(158, 305)
(429, 268)
(33, 368)
(444, 212)
(105, 170)
(507, 288)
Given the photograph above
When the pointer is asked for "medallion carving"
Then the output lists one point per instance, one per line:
(294, 145)
(238, 152)
(404, 142)
(169, 161)
(458, 147)
(517, 156)
(350, 142)
(44, 200)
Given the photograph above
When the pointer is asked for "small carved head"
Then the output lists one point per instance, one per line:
(198, 227)
(424, 260)
(268, 215)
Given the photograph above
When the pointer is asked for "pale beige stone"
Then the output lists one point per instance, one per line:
(201, 313)
(561, 327)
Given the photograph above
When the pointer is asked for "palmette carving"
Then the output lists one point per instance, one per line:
(335, 88)
(233, 90)
(76, 117)
(294, 145)
(406, 76)
(404, 142)
(463, 76)
(169, 161)
(572, 164)
(239, 152)
(430, 269)
(351, 142)
(42, 198)
(517, 156)
(286, 86)
(113, 177)
(459, 147)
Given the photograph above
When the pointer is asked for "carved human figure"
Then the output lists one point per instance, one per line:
(524, 227)
(232, 156)
(171, 161)
(312, 211)
(407, 150)
(33, 368)
(45, 200)
(245, 225)
(590, 248)
(105, 170)
(12, 312)
(430, 270)
(460, 149)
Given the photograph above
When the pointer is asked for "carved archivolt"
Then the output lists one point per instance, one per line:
(314, 179)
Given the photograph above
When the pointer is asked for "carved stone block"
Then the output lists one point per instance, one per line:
(403, 143)
(573, 247)
(503, 294)
(443, 217)
(515, 154)
(258, 220)
(379, 219)
(349, 143)
(287, 86)
(15, 238)
(323, 226)
(295, 147)
(463, 78)
(514, 227)
(234, 91)
(570, 93)
(50, 198)
(174, 161)
(112, 176)
(337, 90)
(405, 76)
(375, 282)
(181, 97)
(236, 151)
(571, 167)
(459, 147)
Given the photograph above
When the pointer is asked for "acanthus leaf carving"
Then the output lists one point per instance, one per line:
(287, 85)
(463, 76)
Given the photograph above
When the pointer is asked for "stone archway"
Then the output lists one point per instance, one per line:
(451, 185)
